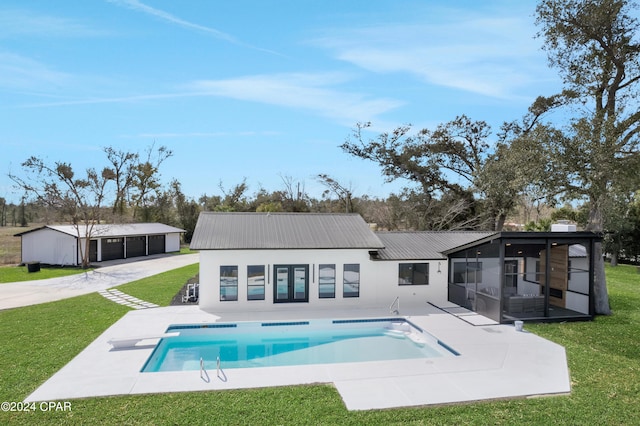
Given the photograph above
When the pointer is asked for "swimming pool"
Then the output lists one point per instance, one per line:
(269, 344)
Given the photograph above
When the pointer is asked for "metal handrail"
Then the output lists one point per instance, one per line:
(220, 372)
(203, 372)
(396, 302)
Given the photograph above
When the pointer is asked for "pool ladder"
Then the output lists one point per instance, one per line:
(395, 302)
(219, 372)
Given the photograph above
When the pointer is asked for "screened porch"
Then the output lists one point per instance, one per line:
(525, 276)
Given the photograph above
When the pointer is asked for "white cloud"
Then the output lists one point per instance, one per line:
(165, 16)
(495, 57)
(21, 73)
(311, 92)
(16, 22)
(317, 93)
(168, 17)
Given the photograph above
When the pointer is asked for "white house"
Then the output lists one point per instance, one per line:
(297, 261)
(62, 244)
(276, 261)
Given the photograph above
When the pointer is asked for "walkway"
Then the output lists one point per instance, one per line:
(125, 299)
(109, 274)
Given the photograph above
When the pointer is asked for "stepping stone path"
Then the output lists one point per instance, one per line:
(124, 299)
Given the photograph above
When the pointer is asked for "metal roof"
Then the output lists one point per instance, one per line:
(413, 245)
(112, 230)
(244, 231)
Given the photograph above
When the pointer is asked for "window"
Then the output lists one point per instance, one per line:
(327, 285)
(413, 274)
(255, 282)
(467, 272)
(351, 280)
(228, 283)
(511, 275)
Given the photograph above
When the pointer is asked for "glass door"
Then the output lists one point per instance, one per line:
(282, 284)
(292, 283)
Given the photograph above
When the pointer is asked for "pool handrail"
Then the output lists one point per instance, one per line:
(203, 372)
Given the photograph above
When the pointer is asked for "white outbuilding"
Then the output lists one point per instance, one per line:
(62, 244)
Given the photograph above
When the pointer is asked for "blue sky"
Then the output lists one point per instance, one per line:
(252, 88)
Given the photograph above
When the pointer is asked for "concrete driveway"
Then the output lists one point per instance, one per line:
(109, 274)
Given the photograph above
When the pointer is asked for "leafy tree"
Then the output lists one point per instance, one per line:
(542, 225)
(235, 199)
(620, 226)
(450, 160)
(187, 210)
(269, 207)
(344, 194)
(594, 46)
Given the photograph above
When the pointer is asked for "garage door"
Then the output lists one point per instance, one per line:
(136, 246)
(156, 244)
(93, 251)
(112, 248)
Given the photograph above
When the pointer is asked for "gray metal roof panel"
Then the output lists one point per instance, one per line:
(119, 230)
(241, 231)
(413, 245)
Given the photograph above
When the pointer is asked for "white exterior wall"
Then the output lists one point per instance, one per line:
(49, 246)
(171, 242)
(378, 280)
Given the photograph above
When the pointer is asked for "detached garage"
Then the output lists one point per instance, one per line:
(62, 244)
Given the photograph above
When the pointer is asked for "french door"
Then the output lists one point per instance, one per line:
(292, 283)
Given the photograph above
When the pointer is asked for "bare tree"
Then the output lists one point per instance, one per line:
(124, 166)
(80, 199)
(147, 176)
(294, 196)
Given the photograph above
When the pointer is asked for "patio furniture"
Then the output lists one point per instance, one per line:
(524, 304)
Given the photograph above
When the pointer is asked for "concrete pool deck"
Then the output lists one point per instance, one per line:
(495, 362)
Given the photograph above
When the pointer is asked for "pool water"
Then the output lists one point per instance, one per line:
(256, 344)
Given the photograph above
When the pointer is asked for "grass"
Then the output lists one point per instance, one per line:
(603, 355)
(161, 288)
(12, 274)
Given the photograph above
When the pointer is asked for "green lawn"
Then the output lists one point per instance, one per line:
(161, 288)
(604, 359)
(12, 274)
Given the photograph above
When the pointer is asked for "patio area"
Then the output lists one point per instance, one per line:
(495, 361)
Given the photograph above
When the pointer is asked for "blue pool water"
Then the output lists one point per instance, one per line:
(268, 344)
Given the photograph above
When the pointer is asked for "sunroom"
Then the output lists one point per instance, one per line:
(533, 276)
